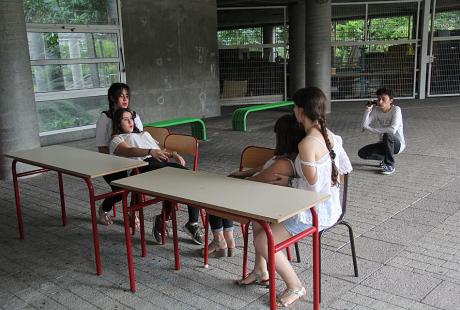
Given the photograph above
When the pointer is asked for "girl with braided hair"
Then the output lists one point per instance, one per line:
(315, 170)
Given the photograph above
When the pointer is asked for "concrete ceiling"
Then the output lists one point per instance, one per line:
(234, 3)
(245, 18)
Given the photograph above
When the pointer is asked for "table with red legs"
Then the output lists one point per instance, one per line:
(260, 202)
(79, 163)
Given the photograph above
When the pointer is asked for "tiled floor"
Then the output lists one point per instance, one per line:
(406, 228)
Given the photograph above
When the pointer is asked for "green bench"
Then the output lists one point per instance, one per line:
(197, 124)
(239, 115)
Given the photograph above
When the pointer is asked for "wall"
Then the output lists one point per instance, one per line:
(171, 57)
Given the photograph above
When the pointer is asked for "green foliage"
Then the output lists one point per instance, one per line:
(66, 11)
(349, 30)
(240, 36)
(391, 28)
(447, 20)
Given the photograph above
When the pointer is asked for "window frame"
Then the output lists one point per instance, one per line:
(79, 93)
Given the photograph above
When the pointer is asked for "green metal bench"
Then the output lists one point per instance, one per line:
(197, 124)
(239, 115)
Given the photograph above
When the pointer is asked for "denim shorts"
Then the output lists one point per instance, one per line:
(294, 226)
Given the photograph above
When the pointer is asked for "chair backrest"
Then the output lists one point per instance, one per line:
(344, 186)
(255, 156)
(158, 133)
(183, 144)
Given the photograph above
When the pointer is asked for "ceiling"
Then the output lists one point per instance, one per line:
(228, 19)
(235, 3)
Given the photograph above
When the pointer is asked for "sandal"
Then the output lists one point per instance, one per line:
(231, 252)
(214, 252)
(290, 295)
(103, 217)
(258, 279)
(137, 222)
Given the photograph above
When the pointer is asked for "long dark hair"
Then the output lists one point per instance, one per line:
(313, 102)
(288, 135)
(113, 94)
(116, 121)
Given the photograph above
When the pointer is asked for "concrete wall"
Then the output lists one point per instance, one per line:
(171, 57)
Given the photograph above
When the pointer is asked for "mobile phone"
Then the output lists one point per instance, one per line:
(371, 103)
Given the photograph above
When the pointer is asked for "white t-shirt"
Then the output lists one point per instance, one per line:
(380, 122)
(104, 129)
(141, 140)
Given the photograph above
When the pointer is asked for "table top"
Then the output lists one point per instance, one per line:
(77, 162)
(250, 199)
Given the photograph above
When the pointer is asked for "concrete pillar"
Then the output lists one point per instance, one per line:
(267, 36)
(18, 115)
(318, 46)
(424, 57)
(296, 46)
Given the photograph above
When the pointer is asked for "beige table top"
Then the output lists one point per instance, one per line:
(250, 199)
(75, 161)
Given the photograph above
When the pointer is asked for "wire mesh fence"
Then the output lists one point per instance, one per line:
(374, 45)
(252, 55)
(444, 70)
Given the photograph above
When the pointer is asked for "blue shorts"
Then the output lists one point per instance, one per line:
(294, 226)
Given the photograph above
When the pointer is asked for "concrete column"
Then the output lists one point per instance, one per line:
(267, 33)
(424, 57)
(18, 115)
(318, 46)
(296, 47)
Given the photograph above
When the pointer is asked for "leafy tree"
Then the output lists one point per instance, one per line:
(447, 20)
(66, 11)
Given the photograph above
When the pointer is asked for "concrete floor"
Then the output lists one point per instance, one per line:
(406, 228)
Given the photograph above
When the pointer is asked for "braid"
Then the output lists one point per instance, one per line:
(323, 130)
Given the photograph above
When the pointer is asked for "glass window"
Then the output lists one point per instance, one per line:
(81, 12)
(78, 58)
(68, 113)
(75, 76)
(52, 45)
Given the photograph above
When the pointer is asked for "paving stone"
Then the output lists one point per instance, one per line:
(408, 221)
(399, 232)
(373, 249)
(341, 266)
(401, 282)
(444, 296)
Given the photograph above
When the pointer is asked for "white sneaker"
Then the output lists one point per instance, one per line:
(388, 169)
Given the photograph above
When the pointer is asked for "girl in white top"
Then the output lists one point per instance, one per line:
(118, 96)
(128, 141)
(317, 171)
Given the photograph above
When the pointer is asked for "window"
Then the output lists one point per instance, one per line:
(75, 53)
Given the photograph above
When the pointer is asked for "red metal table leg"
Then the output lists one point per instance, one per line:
(175, 239)
(129, 250)
(142, 228)
(270, 262)
(17, 199)
(61, 192)
(245, 230)
(206, 242)
(316, 284)
(92, 202)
